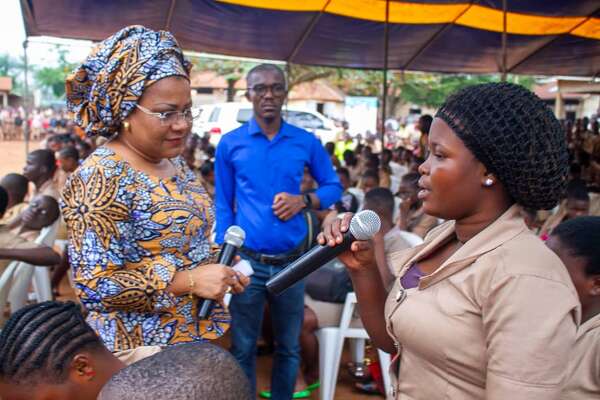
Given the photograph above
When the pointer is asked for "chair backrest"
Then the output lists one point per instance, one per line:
(5, 285)
(15, 281)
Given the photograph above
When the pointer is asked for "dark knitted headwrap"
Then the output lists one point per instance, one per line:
(516, 136)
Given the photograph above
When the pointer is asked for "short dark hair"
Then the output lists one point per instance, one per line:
(382, 201)
(46, 158)
(69, 152)
(39, 340)
(330, 147)
(265, 68)
(371, 173)
(16, 185)
(425, 123)
(581, 235)
(3, 200)
(184, 371)
(343, 171)
(206, 168)
(350, 158)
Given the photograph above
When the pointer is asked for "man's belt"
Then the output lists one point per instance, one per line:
(273, 259)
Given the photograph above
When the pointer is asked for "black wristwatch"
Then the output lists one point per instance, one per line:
(307, 200)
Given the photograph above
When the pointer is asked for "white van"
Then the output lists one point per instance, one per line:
(218, 119)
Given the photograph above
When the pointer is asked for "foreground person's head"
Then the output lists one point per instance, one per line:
(48, 352)
(196, 371)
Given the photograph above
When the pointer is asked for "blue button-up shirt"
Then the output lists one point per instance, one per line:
(250, 170)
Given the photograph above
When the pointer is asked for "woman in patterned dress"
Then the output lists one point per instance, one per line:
(139, 221)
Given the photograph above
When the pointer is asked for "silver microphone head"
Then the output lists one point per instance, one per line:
(235, 236)
(365, 224)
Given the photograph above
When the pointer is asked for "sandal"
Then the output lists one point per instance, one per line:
(301, 394)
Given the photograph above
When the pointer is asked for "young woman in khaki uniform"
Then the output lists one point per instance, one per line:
(577, 243)
(482, 309)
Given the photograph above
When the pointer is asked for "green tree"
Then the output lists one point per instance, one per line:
(432, 89)
(231, 70)
(52, 79)
(14, 68)
(420, 89)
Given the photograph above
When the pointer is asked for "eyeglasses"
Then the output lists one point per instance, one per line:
(277, 89)
(169, 118)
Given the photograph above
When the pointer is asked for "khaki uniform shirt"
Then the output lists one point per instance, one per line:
(13, 213)
(584, 368)
(48, 189)
(496, 321)
(9, 240)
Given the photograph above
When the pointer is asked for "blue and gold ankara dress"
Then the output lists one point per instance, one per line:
(128, 234)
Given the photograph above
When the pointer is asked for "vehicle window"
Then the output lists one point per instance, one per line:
(244, 115)
(214, 116)
(304, 120)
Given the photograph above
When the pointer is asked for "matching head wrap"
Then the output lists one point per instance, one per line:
(105, 89)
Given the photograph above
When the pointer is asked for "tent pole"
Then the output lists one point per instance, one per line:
(26, 99)
(307, 32)
(386, 42)
(504, 6)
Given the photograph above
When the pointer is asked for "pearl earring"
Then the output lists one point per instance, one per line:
(126, 126)
(489, 182)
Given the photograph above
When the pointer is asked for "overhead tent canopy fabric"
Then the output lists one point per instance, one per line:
(543, 37)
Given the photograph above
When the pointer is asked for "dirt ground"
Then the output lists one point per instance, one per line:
(13, 155)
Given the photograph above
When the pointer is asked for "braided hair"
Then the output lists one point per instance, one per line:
(516, 136)
(38, 341)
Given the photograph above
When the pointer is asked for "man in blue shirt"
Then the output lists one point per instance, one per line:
(259, 167)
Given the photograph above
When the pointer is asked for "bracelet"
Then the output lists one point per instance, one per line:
(192, 285)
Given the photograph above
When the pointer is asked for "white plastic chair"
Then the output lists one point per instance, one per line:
(21, 275)
(331, 344)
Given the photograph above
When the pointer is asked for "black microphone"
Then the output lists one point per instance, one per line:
(363, 226)
(234, 238)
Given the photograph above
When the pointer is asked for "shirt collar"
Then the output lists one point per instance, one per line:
(254, 129)
(589, 325)
(506, 227)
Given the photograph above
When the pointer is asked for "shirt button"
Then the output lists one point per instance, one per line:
(399, 295)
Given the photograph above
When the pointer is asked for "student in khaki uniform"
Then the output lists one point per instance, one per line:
(412, 218)
(16, 186)
(15, 247)
(577, 204)
(482, 309)
(577, 243)
(39, 170)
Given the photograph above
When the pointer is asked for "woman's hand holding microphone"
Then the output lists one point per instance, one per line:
(360, 257)
(209, 281)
